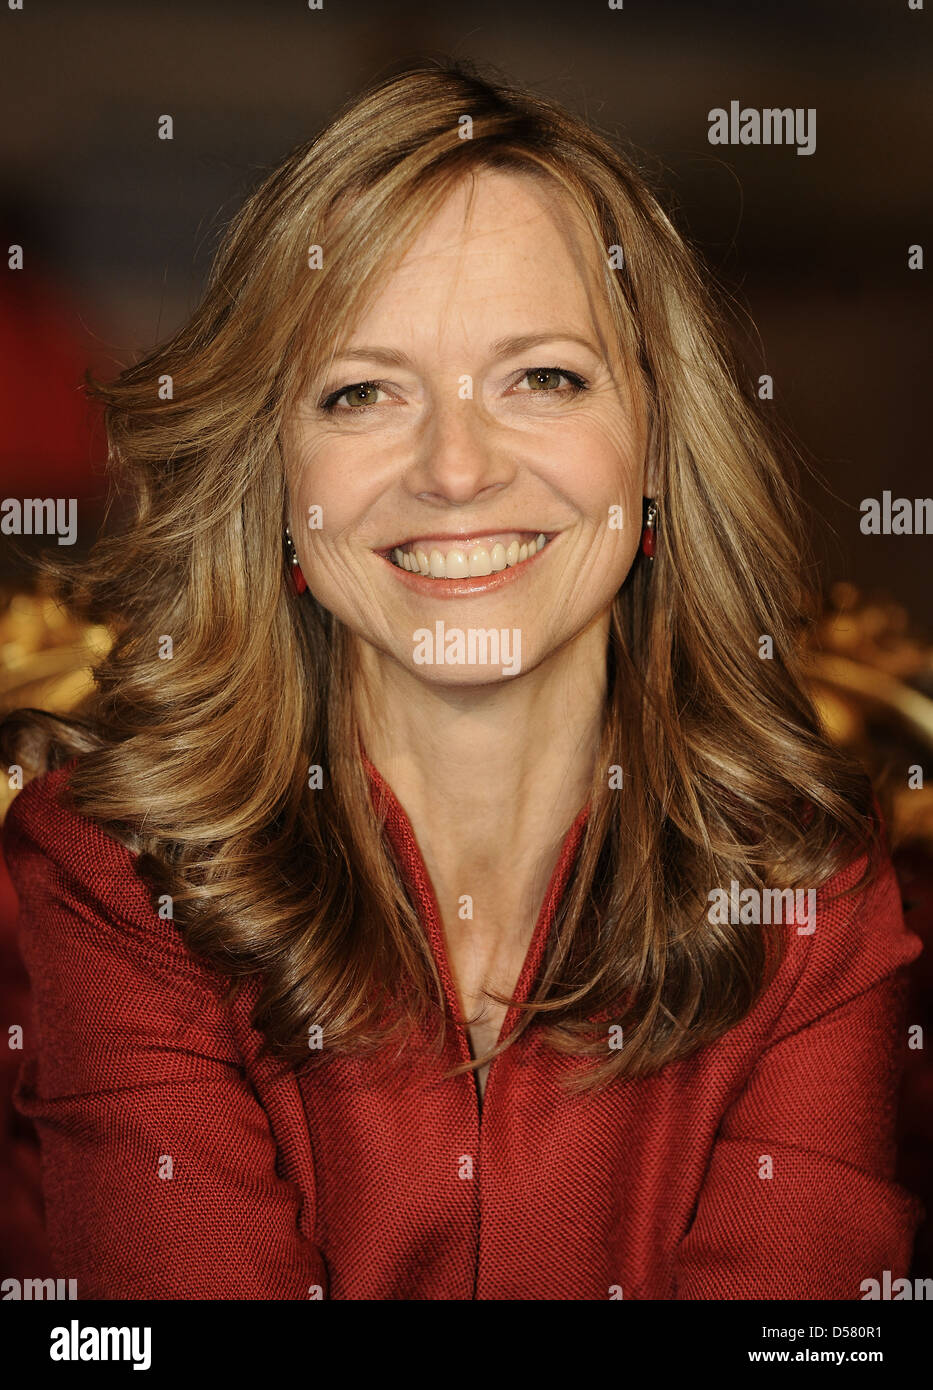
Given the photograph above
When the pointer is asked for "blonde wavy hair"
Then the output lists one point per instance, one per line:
(199, 764)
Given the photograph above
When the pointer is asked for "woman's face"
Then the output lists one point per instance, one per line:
(478, 405)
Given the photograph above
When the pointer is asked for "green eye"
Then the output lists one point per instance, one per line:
(365, 393)
(544, 379)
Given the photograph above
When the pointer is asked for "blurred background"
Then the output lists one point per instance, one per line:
(118, 229)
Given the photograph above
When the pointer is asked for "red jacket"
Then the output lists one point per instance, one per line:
(347, 1182)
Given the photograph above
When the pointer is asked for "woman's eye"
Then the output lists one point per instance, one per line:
(548, 379)
(356, 397)
(542, 380)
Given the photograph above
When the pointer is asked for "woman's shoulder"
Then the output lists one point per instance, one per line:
(43, 817)
(119, 998)
(849, 936)
(72, 877)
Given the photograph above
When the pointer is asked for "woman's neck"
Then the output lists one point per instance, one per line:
(491, 777)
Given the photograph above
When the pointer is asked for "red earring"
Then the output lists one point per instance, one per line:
(299, 583)
(647, 535)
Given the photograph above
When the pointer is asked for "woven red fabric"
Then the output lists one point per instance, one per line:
(357, 1180)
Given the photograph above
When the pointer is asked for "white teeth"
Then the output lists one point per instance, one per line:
(457, 564)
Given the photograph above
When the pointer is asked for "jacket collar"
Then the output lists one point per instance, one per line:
(404, 845)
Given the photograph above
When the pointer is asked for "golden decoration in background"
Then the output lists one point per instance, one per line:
(45, 660)
(870, 676)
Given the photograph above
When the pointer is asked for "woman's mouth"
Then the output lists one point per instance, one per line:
(466, 558)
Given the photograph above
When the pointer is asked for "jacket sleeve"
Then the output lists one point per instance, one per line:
(161, 1172)
(799, 1200)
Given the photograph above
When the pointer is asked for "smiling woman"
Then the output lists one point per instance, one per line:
(503, 437)
(367, 975)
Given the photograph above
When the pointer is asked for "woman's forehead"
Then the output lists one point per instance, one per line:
(496, 242)
(490, 212)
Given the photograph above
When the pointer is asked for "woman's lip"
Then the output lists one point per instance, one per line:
(465, 588)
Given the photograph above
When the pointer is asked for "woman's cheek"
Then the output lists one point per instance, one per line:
(322, 506)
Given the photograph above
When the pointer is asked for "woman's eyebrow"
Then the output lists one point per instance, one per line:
(508, 347)
(502, 347)
(389, 356)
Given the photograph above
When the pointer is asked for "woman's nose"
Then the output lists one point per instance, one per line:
(461, 453)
